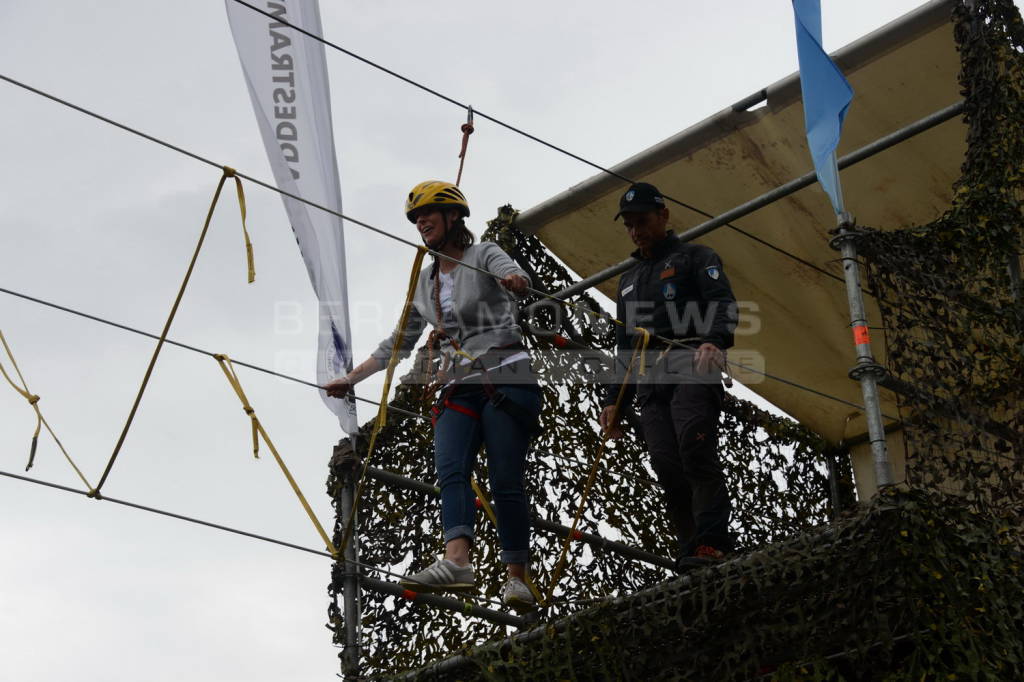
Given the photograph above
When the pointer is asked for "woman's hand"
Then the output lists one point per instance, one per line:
(339, 388)
(517, 284)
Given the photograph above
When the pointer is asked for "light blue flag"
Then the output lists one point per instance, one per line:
(827, 96)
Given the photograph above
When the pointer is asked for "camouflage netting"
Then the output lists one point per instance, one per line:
(922, 582)
(918, 587)
(778, 471)
(950, 291)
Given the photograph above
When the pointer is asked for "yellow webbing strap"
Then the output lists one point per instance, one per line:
(33, 400)
(257, 428)
(227, 173)
(489, 510)
(230, 172)
(382, 411)
(638, 352)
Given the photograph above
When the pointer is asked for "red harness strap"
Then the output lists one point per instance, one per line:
(459, 408)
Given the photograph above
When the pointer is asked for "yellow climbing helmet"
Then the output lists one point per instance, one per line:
(438, 194)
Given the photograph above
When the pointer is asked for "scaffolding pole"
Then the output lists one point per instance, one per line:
(348, 465)
(445, 603)
(866, 371)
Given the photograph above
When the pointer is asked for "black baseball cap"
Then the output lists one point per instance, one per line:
(642, 196)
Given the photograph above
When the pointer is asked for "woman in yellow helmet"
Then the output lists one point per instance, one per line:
(488, 394)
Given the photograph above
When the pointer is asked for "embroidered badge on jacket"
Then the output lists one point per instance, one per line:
(669, 291)
(713, 272)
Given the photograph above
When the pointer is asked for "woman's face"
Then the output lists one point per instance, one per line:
(431, 225)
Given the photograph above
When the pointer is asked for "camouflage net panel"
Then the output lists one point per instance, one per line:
(918, 587)
(778, 471)
(950, 292)
(924, 584)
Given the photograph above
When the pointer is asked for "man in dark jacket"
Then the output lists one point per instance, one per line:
(677, 291)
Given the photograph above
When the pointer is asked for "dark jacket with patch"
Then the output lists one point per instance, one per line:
(679, 292)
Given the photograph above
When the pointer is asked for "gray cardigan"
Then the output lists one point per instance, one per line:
(486, 311)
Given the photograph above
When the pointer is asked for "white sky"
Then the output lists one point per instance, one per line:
(99, 220)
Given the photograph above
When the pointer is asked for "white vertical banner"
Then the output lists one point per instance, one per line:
(286, 72)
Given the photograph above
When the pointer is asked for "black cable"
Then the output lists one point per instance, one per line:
(354, 221)
(522, 132)
(194, 349)
(210, 524)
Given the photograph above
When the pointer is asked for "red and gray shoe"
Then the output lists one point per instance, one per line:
(704, 555)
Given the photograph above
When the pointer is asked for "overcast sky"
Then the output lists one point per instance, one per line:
(96, 219)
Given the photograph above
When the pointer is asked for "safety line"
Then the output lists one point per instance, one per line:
(216, 526)
(33, 400)
(519, 131)
(389, 373)
(638, 352)
(287, 377)
(226, 172)
(600, 314)
(259, 432)
(194, 349)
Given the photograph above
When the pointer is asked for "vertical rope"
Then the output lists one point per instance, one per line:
(382, 410)
(638, 351)
(467, 130)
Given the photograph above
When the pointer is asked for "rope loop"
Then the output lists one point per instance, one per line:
(229, 172)
(33, 399)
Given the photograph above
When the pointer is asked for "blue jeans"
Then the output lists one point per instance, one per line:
(457, 439)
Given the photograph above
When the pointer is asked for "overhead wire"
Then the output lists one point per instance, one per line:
(372, 228)
(240, 363)
(218, 526)
(451, 100)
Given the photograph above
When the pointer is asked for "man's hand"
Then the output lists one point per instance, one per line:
(339, 388)
(515, 283)
(609, 421)
(707, 358)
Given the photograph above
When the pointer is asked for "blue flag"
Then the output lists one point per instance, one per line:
(826, 94)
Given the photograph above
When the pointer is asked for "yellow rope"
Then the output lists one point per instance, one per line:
(489, 510)
(257, 428)
(227, 173)
(638, 351)
(33, 400)
(382, 410)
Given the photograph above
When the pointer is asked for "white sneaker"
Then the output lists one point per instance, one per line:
(517, 595)
(441, 575)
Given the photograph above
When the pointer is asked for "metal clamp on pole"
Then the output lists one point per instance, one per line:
(867, 371)
(347, 462)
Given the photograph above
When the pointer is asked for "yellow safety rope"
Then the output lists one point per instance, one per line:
(33, 400)
(489, 510)
(227, 173)
(382, 410)
(257, 428)
(638, 351)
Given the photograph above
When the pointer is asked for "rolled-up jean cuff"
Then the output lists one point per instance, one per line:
(459, 532)
(515, 556)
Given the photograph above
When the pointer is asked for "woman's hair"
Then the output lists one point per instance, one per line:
(459, 235)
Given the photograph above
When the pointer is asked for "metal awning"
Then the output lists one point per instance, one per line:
(797, 323)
